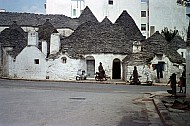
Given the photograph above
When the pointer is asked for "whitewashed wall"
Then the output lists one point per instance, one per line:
(166, 13)
(25, 66)
(107, 62)
(58, 70)
(169, 68)
(141, 72)
(65, 31)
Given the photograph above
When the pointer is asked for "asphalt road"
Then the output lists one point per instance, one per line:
(34, 103)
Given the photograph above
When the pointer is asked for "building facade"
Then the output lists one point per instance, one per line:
(149, 15)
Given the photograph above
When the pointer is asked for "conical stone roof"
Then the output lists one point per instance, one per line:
(15, 37)
(87, 16)
(92, 37)
(156, 44)
(106, 21)
(131, 28)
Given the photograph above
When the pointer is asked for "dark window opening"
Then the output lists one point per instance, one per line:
(110, 2)
(37, 61)
(143, 27)
(143, 13)
(64, 59)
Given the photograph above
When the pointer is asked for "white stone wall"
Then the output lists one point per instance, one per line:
(27, 68)
(169, 68)
(107, 62)
(59, 70)
(166, 13)
(143, 70)
(65, 31)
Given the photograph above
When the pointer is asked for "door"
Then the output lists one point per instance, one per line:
(116, 72)
(90, 66)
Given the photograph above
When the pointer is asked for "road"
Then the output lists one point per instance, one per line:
(37, 103)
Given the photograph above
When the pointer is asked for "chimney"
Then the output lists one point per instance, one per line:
(44, 47)
(54, 43)
(32, 38)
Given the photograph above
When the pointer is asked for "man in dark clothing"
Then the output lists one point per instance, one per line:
(173, 83)
(101, 71)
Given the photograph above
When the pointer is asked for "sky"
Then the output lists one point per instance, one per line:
(28, 6)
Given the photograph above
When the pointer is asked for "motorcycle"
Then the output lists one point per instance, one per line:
(98, 77)
(134, 81)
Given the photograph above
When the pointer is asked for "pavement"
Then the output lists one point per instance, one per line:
(164, 102)
(173, 111)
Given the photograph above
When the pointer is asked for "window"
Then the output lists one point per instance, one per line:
(110, 2)
(143, 13)
(74, 12)
(143, 27)
(64, 59)
(36, 61)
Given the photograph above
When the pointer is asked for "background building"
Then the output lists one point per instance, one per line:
(149, 15)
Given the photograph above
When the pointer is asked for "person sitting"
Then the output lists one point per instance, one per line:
(101, 71)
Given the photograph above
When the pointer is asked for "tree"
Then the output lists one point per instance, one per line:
(169, 34)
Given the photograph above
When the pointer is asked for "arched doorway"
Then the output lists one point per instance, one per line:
(116, 71)
(90, 62)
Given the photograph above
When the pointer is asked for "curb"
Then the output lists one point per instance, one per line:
(163, 113)
(73, 81)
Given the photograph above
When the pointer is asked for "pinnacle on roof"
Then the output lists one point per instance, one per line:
(87, 16)
(127, 21)
(106, 21)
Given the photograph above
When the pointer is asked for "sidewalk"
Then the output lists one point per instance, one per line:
(171, 112)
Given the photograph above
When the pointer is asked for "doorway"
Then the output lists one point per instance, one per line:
(116, 71)
(90, 66)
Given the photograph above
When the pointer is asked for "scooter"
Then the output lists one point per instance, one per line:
(81, 75)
